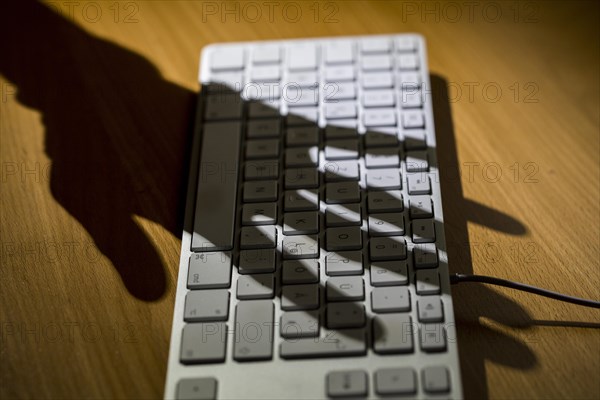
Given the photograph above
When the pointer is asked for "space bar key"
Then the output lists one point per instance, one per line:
(338, 343)
(214, 217)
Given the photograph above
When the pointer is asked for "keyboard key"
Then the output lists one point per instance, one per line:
(342, 192)
(377, 80)
(384, 178)
(418, 184)
(340, 110)
(344, 149)
(209, 270)
(302, 56)
(413, 119)
(302, 116)
(337, 171)
(302, 136)
(388, 201)
(221, 106)
(301, 200)
(296, 324)
(435, 380)
(414, 139)
(380, 117)
(408, 62)
(343, 215)
(337, 343)
(225, 82)
(375, 45)
(341, 129)
(299, 297)
(387, 248)
(303, 79)
(339, 52)
(259, 191)
(301, 178)
(376, 62)
(203, 343)
(257, 261)
(381, 137)
(256, 149)
(382, 158)
(390, 299)
(427, 282)
(267, 73)
(340, 73)
(378, 98)
(430, 309)
(227, 58)
(387, 224)
(295, 96)
(215, 209)
(400, 381)
(259, 214)
(344, 263)
(345, 238)
(302, 157)
(409, 81)
(206, 305)
(411, 99)
(347, 384)
(266, 54)
(251, 287)
(258, 237)
(423, 231)
(345, 315)
(393, 334)
(300, 246)
(425, 255)
(417, 161)
(389, 273)
(261, 169)
(197, 389)
(263, 128)
(420, 207)
(301, 223)
(253, 330)
(300, 271)
(405, 44)
(347, 288)
(334, 92)
(266, 109)
(433, 338)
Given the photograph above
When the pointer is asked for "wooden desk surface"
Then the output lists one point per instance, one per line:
(95, 114)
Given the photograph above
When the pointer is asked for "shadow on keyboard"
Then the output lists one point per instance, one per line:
(474, 337)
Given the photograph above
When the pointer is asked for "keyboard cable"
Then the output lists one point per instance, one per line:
(459, 278)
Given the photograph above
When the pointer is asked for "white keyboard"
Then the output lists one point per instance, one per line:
(313, 260)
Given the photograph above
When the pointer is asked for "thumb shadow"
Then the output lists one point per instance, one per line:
(116, 132)
(478, 341)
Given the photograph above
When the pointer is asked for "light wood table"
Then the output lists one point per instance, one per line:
(96, 108)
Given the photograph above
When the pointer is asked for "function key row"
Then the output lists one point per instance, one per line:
(304, 56)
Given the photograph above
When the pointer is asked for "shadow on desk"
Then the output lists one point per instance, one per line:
(116, 133)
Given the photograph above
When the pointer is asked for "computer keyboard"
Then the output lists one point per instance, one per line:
(313, 260)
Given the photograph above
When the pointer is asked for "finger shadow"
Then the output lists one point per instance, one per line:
(115, 130)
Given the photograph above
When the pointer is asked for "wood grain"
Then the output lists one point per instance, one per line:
(96, 109)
